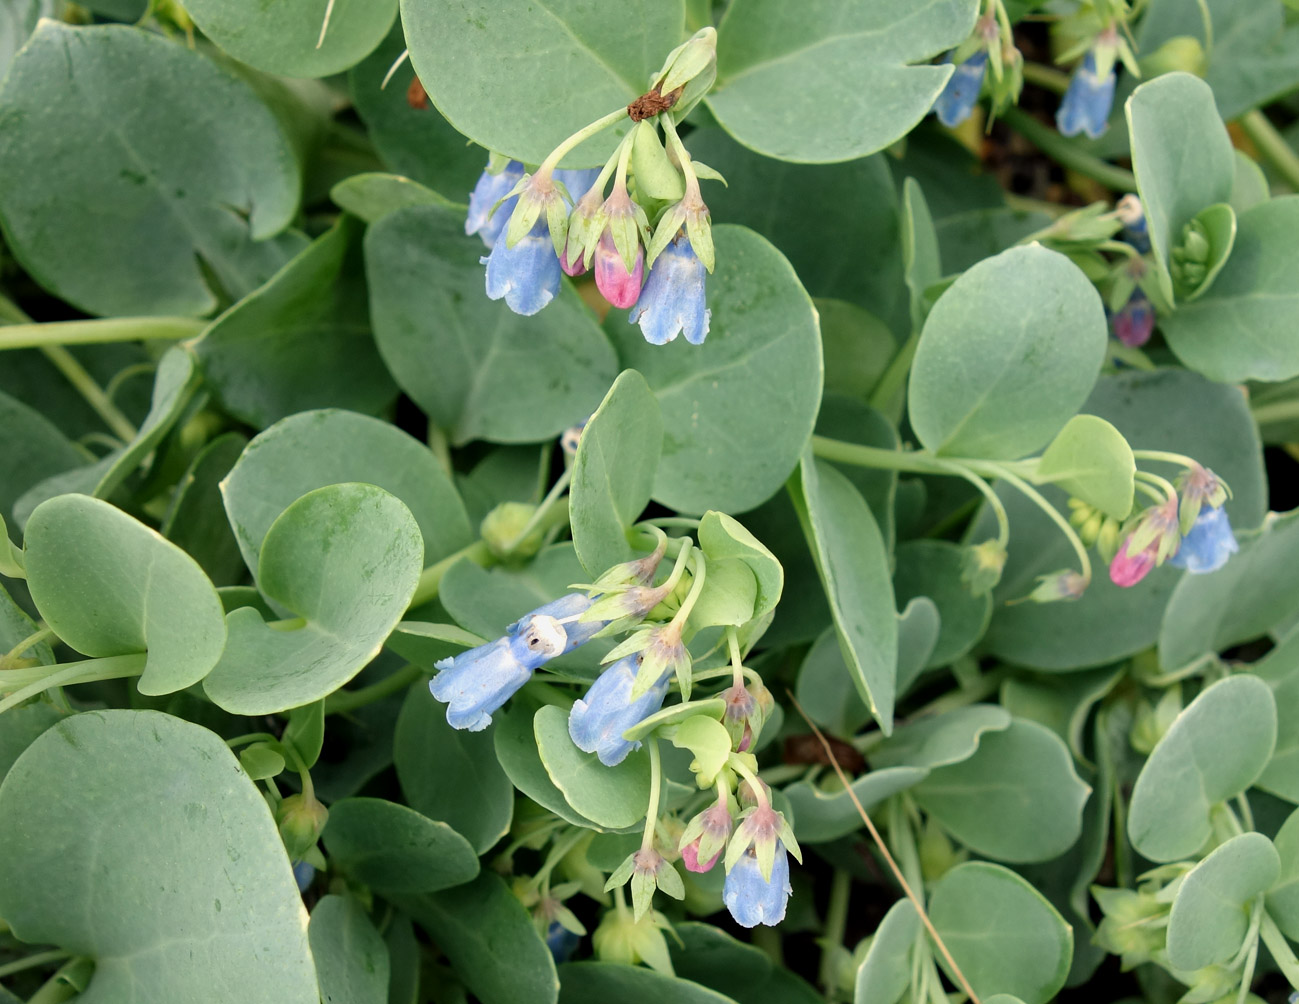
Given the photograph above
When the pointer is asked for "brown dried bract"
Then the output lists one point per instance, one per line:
(808, 749)
(651, 103)
(416, 96)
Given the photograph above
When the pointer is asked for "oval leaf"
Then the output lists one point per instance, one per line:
(1215, 749)
(392, 848)
(1091, 461)
(1007, 356)
(1002, 932)
(149, 595)
(161, 805)
(351, 958)
(192, 192)
(613, 473)
(345, 559)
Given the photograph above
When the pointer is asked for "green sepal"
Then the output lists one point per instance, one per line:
(557, 220)
(633, 643)
(642, 893)
(622, 873)
(524, 217)
(787, 838)
(567, 919)
(668, 879)
(705, 173)
(655, 176)
(700, 231)
(765, 851)
(669, 223)
(626, 237)
(693, 57)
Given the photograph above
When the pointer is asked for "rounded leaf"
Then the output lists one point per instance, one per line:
(165, 868)
(1215, 749)
(109, 585)
(1007, 356)
(392, 848)
(1002, 932)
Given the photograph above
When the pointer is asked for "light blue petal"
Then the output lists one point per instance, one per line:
(475, 683)
(673, 298)
(527, 275)
(1209, 544)
(750, 900)
(491, 188)
(597, 721)
(957, 101)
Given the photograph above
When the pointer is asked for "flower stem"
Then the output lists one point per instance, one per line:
(656, 780)
(740, 767)
(836, 922)
(543, 511)
(1034, 496)
(696, 587)
(342, 701)
(99, 330)
(431, 578)
(1162, 483)
(994, 500)
(585, 133)
(1272, 145)
(44, 634)
(113, 667)
(737, 663)
(1169, 458)
(32, 961)
(1067, 153)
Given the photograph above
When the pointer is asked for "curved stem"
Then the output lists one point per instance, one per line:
(656, 780)
(1271, 145)
(994, 500)
(32, 961)
(755, 785)
(585, 133)
(1181, 459)
(1036, 498)
(76, 374)
(696, 587)
(557, 854)
(44, 634)
(1162, 483)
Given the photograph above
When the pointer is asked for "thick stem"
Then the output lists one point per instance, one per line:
(32, 961)
(1067, 153)
(1271, 145)
(99, 330)
(342, 701)
(737, 667)
(656, 780)
(431, 578)
(585, 133)
(836, 922)
(115, 667)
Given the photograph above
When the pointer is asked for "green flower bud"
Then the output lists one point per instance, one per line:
(300, 819)
(501, 527)
(620, 938)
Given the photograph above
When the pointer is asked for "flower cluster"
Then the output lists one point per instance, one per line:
(1188, 528)
(648, 242)
(622, 710)
(991, 45)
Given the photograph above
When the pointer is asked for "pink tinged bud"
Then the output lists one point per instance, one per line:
(620, 287)
(575, 267)
(1127, 570)
(690, 855)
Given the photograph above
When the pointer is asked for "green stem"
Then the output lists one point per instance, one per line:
(994, 501)
(895, 374)
(656, 780)
(836, 923)
(680, 522)
(1277, 411)
(740, 767)
(1036, 498)
(251, 737)
(557, 854)
(430, 580)
(1282, 954)
(737, 662)
(543, 511)
(586, 132)
(99, 330)
(66, 363)
(32, 639)
(696, 587)
(91, 670)
(1047, 77)
(913, 462)
(1162, 483)
(1067, 153)
(32, 961)
(1180, 459)
(437, 444)
(55, 990)
(1272, 145)
(349, 700)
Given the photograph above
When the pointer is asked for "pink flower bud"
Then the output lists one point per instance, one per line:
(1127, 570)
(620, 287)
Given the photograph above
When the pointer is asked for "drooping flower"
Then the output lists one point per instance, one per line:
(597, 722)
(618, 260)
(1199, 487)
(673, 301)
(746, 711)
(478, 681)
(957, 101)
(1153, 539)
(1209, 544)
(753, 899)
(1135, 322)
(1087, 102)
(1133, 217)
(561, 941)
(491, 188)
(527, 275)
(705, 838)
